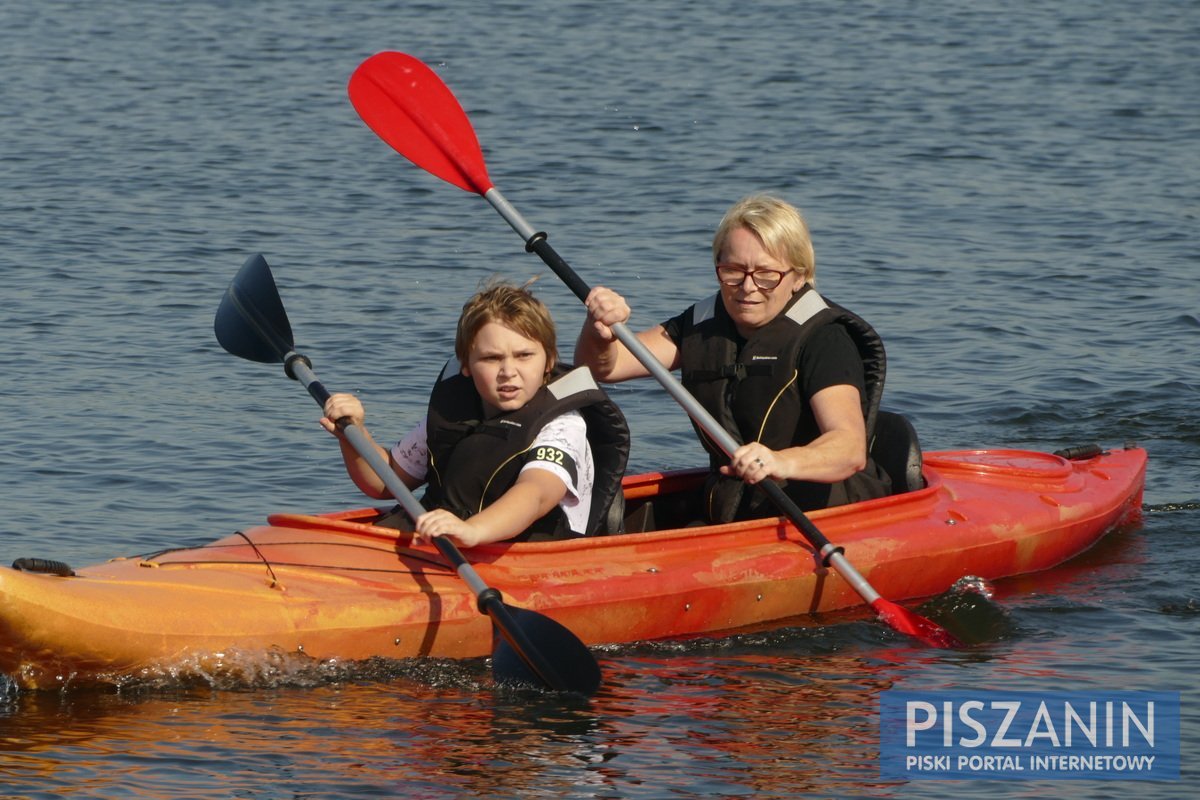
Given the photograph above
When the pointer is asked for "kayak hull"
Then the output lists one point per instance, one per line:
(333, 587)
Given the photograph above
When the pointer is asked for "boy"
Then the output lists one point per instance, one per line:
(504, 453)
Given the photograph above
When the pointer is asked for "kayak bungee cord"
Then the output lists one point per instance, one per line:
(150, 559)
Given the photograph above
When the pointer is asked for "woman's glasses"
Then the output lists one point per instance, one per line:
(736, 276)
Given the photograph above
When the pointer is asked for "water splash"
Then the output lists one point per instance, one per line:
(967, 609)
(239, 671)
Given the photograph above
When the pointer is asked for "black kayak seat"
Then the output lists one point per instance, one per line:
(896, 449)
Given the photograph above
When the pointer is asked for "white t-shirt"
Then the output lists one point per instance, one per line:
(566, 432)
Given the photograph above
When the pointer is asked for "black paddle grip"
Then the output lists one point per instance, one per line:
(487, 597)
(289, 368)
(1079, 452)
(43, 565)
(787, 506)
(538, 244)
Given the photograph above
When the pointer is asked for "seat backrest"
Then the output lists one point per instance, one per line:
(896, 449)
(608, 435)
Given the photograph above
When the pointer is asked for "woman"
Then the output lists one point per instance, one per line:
(793, 375)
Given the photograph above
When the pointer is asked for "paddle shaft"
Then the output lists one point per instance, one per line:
(536, 242)
(489, 599)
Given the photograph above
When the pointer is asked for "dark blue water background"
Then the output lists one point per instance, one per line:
(1010, 195)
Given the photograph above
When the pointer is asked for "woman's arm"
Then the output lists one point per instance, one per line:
(598, 349)
(837, 453)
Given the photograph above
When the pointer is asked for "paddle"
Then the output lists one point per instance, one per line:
(411, 109)
(251, 323)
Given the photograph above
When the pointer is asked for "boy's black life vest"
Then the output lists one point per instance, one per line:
(752, 388)
(473, 460)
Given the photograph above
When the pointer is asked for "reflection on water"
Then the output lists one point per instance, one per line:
(378, 734)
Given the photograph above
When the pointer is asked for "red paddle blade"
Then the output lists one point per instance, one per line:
(914, 625)
(411, 109)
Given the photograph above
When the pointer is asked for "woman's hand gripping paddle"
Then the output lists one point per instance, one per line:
(411, 109)
(251, 323)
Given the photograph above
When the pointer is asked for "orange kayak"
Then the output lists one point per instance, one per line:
(335, 586)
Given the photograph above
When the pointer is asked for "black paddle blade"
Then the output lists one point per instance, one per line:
(251, 322)
(574, 665)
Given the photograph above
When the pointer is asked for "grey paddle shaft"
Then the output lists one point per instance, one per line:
(536, 242)
(298, 366)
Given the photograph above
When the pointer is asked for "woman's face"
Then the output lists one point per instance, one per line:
(752, 307)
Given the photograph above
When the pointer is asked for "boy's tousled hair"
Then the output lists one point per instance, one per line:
(509, 305)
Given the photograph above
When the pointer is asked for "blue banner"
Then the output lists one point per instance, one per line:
(962, 735)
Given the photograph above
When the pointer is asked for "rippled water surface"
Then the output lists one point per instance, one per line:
(1009, 195)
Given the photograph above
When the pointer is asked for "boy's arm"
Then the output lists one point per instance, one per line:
(534, 495)
(345, 405)
(364, 476)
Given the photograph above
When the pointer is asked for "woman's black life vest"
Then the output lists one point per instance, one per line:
(473, 460)
(752, 387)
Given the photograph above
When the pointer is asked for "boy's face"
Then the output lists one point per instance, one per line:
(507, 368)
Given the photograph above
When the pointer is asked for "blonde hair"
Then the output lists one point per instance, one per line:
(779, 225)
(509, 305)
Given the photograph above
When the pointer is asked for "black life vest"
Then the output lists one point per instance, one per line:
(752, 387)
(473, 460)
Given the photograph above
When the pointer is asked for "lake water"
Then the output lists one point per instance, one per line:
(1010, 195)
